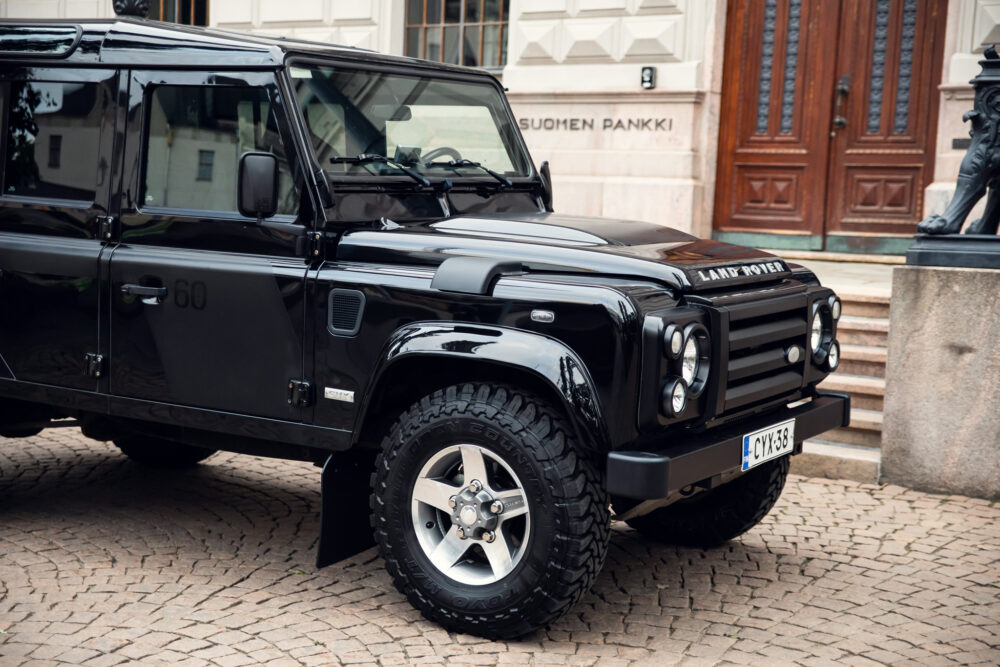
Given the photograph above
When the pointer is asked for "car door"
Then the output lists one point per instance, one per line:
(206, 306)
(57, 136)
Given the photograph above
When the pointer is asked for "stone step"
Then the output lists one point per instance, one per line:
(865, 305)
(831, 460)
(863, 331)
(865, 430)
(867, 393)
(863, 360)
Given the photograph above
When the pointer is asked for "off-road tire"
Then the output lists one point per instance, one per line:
(568, 505)
(159, 453)
(718, 515)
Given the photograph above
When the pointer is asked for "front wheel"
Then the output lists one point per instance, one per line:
(490, 516)
(718, 515)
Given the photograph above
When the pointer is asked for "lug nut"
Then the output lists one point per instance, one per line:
(460, 533)
(452, 502)
(476, 486)
(489, 536)
(496, 507)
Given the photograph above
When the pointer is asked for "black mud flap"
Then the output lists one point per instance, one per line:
(344, 526)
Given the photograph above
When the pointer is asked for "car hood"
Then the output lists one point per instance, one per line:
(576, 244)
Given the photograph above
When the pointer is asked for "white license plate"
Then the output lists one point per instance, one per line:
(768, 443)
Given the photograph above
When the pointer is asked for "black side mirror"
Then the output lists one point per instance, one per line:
(257, 185)
(543, 172)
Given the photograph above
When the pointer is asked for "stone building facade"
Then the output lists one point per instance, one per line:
(747, 94)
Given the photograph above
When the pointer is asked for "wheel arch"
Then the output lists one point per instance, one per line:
(423, 357)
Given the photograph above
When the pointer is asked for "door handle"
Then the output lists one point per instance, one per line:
(143, 290)
(151, 296)
(839, 120)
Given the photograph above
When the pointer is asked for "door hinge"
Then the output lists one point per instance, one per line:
(107, 227)
(299, 393)
(94, 364)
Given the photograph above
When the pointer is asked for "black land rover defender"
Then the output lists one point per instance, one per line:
(216, 241)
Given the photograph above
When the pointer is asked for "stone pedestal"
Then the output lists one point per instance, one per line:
(942, 399)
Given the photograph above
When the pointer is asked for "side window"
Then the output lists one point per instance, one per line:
(196, 137)
(38, 163)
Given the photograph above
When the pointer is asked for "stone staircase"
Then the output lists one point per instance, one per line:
(854, 452)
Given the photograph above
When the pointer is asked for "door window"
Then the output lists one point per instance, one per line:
(196, 137)
(38, 163)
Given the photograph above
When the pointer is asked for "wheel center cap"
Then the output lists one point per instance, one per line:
(469, 515)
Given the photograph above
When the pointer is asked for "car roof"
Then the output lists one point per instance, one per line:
(145, 43)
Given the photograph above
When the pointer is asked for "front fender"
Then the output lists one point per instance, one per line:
(546, 358)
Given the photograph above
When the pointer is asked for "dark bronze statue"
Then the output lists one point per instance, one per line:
(139, 8)
(980, 168)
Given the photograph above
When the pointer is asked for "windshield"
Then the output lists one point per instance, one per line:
(435, 127)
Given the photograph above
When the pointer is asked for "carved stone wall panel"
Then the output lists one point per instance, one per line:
(26, 9)
(645, 37)
(231, 13)
(356, 10)
(291, 10)
(675, 6)
(370, 24)
(590, 39)
(77, 8)
(534, 8)
(986, 24)
(537, 40)
(601, 6)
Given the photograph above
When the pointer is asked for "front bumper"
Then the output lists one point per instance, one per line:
(646, 475)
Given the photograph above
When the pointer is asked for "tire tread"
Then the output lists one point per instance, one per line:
(581, 544)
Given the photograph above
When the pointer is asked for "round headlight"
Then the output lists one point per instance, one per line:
(833, 356)
(678, 398)
(676, 340)
(835, 307)
(674, 397)
(689, 365)
(816, 332)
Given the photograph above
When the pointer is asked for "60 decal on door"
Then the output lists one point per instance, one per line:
(193, 294)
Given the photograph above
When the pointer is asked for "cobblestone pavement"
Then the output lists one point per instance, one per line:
(103, 562)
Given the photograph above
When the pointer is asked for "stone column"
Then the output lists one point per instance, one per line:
(942, 398)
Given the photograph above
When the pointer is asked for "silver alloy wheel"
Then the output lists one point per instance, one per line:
(454, 508)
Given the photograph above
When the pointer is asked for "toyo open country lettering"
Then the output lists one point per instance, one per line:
(211, 241)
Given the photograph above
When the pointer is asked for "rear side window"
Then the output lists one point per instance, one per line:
(53, 140)
(196, 137)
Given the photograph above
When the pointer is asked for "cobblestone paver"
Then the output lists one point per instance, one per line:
(103, 562)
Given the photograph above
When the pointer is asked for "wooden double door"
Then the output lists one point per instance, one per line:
(828, 122)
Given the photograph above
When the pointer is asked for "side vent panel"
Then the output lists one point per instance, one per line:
(345, 310)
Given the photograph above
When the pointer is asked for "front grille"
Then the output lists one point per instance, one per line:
(759, 335)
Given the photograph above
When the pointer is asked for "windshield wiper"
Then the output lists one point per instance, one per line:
(368, 158)
(455, 164)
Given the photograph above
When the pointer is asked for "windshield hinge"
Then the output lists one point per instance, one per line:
(94, 364)
(106, 227)
(299, 393)
(313, 244)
